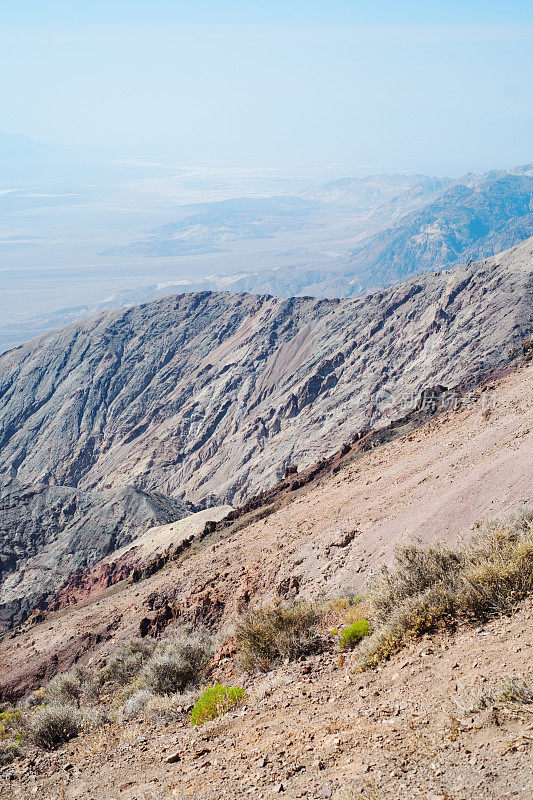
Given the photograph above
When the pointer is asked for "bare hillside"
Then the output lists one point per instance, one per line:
(324, 539)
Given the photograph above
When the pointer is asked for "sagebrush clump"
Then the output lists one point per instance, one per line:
(10, 749)
(428, 587)
(136, 704)
(272, 633)
(214, 701)
(71, 688)
(167, 708)
(177, 662)
(52, 725)
(126, 663)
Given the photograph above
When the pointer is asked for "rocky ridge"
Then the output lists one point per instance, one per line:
(207, 398)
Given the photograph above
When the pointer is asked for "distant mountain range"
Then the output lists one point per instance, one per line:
(205, 398)
(212, 224)
(360, 234)
(453, 222)
(371, 192)
(475, 218)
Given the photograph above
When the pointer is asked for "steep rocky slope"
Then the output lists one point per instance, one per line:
(323, 539)
(415, 728)
(208, 397)
(50, 532)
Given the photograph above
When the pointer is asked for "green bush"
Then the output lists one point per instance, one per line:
(352, 635)
(271, 633)
(216, 700)
(10, 720)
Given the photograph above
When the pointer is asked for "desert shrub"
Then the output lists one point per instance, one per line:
(435, 586)
(127, 662)
(10, 722)
(344, 601)
(177, 662)
(415, 570)
(10, 749)
(135, 705)
(216, 700)
(283, 630)
(70, 688)
(35, 698)
(498, 569)
(352, 635)
(54, 724)
(344, 610)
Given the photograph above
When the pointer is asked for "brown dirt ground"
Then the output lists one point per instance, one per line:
(315, 729)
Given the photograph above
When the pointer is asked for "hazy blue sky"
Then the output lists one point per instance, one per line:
(393, 85)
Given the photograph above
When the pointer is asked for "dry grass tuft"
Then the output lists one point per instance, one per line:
(272, 633)
(429, 587)
(513, 696)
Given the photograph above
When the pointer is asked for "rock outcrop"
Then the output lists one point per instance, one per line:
(48, 533)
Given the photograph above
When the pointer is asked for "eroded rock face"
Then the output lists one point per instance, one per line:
(51, 532)
(209, 397)
(475, 218)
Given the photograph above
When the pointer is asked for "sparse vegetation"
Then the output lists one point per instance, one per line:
(11, 736)
(127, 662)
(139, 679)
(428, 587)
(177, 662)
(352, 635)
(272, 633)
(514, 696)
(52, 725)
(71, 688)
(135, 705)
(10, 749)
(216, 700)
(167, 708)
